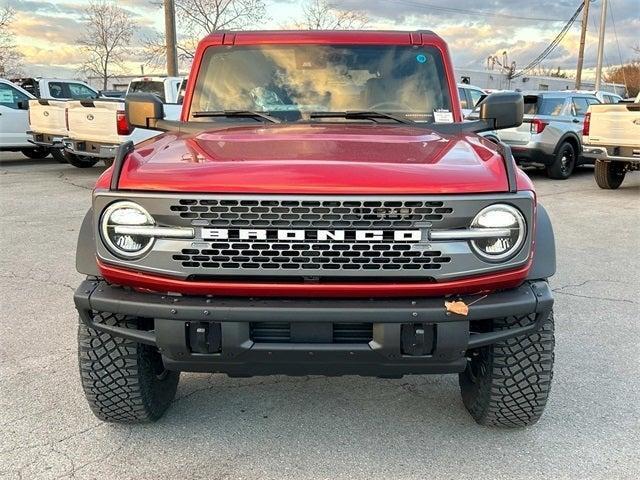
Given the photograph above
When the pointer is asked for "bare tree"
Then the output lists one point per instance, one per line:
(549, 72)
(322, 15)
(106, 38)
(197, 18)
(10, 58)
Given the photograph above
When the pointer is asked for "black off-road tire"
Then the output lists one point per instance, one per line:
(123, 381)
(58, 155)
(80, 161)
(35, 153)
(609, 175)
(507, 384)
(564, 162)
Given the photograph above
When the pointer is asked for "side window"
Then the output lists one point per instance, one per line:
(580, 106)
(607, 99)
(79, 91)
(56, 90)
(182, 91)
(475, 95)
(595, 101)
(9, 96)
(464, 103)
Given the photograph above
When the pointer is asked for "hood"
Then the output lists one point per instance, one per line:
(316, 159)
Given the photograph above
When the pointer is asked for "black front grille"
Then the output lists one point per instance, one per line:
(281, 332)
(301, 256)
(332, 214)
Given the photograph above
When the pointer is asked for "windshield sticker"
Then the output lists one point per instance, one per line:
(442, 116)
(421, 58)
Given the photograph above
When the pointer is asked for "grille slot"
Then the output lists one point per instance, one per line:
(270, 332)
(280, 332)
(352, 332)
(311, 213)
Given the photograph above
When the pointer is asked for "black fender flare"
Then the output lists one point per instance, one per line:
(86, 248)
(544, 257)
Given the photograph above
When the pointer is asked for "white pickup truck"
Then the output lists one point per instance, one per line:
(47, 123)
(96, 128)
(611, 136)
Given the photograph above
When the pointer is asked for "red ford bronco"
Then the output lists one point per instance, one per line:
(319, 208)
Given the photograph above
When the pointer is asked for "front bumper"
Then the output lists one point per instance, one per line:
(90, 149)
(408, 336)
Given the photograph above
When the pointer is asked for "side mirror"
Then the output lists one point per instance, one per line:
(23, 105)
(502, 109)
(143, 110)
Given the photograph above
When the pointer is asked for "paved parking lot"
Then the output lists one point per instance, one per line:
(314, 427)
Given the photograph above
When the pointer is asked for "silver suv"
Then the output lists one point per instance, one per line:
(551, 133)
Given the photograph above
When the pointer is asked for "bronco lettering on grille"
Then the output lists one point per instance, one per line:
(317, 235)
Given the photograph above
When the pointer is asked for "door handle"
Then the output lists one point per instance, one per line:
(575, 120)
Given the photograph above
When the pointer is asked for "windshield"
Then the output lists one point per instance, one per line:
(292, 81)
(146, 86)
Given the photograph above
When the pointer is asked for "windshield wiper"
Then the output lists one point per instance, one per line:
(238, 113)
(360, 115)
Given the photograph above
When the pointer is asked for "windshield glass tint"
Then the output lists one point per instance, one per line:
(290, 80)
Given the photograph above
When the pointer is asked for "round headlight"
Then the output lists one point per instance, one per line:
(119, 232)
(509, 227)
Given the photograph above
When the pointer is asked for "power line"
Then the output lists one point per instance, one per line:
(463, 11)
(556, 41)
(615, 34)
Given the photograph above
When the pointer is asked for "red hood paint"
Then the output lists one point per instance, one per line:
(316, 159)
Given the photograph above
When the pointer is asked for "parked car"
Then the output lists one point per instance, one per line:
(96, 128)
(47, 115)
(612, 139)
(602, 95)
(551, 133)
(320, 208)
(14, 121)
(470, 96)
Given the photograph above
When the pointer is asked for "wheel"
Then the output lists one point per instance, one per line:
(123, 381)
(108, 161)
(609, 175)
(563, 163)
(35, 153)
(507, 384)
(80, 161)
(58, 155)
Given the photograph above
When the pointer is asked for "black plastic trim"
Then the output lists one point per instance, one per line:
(86, 247)
(121, 154)
(544, 255)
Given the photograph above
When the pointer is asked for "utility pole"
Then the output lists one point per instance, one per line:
(583, 35)
(170, 38)
(603, 22)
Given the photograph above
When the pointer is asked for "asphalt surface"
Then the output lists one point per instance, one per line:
(315, 427)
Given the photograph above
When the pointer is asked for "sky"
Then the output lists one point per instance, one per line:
(47, 31)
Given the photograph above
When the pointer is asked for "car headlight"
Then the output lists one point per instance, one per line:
(505, 228)
(127, 229)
